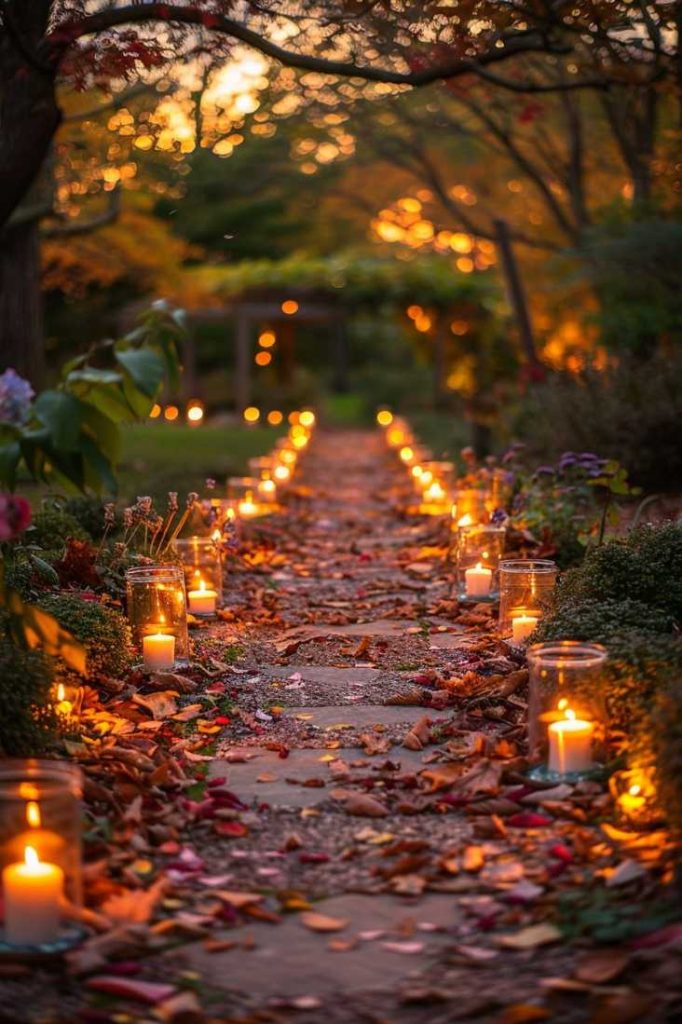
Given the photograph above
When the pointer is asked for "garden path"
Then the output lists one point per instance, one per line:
(396, 873)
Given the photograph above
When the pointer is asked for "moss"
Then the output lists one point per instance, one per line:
(27, 719)
(103, 631)
(52, 527)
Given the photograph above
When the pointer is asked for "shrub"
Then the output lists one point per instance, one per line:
(103, 631)
(665, 738)
(644, 567)
(27, 718)
(52, 527)
(601, 621)
(89, 513)
(630, 412)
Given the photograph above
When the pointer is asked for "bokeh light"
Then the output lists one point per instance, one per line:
(384, 418)
(275, 417)
(263, 358)
(171, 413)
(290, 306)
(251, 414)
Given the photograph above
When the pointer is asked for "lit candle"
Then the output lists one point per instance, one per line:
(247, 506)
(522, 627)
(570, 744)
(267, 489)
(32, 894)
(63, 706)
(478, 581)
(281, 473)
(202, 601)
(158, 652)
(632, 802)
(434, 492)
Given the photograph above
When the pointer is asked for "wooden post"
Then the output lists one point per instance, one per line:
(340, 381)
(515, 291)
(242, 362)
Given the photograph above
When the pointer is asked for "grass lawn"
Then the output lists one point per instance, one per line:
(161, 457)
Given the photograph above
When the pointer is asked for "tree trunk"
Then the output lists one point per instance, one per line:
(21, 308)
(517, 295)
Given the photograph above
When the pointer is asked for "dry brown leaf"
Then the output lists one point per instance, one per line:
(600, 966)
(322, 922)
(134, 906)
(531, 937)
(364, 806)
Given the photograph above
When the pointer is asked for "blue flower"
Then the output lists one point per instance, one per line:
(15, 398)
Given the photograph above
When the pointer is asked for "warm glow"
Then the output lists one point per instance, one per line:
(434, 492)
(406, 454)
(31, 858)
(266, 339)
(287, 457)
(281, 472)
(465, 264)
(155, 411)
(307, 418)
(465, 520)
(635, 790)
(384, 418)
(216, 536)
(267, 488)
(195, 412)
(570, 714)
(263, 358)
(247, 506)
(275, 417)
(294, 417)
(395, 436)
(563, 704)
(299, 442)
(290, 306)
(414, 311)
(251, 414)
(61, 692)
(171, 412)
(33, 814)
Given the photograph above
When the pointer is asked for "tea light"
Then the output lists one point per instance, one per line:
(158, 652)
(478, 581)
(570, 744)
(522, 627)
(247, 507)
(63, 707)
(633, 802)
(202, 601)
(32, 893)
(435, 492)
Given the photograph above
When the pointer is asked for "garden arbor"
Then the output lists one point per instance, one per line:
(454, 316)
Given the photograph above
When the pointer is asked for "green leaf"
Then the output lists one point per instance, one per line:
(45, 570)
(144, 367)
(104, 432)
(98, 472)
(91, 375)
(62, 414)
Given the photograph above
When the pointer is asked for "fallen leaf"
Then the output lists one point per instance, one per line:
(531, 937)
(627, 871)
(364, 806)
(128, 988)
(600, 966)
(134, 906)
(322, 922)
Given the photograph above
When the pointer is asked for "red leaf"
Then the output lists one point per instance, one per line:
(526, 819)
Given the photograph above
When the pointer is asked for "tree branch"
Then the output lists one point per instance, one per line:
(513, 44)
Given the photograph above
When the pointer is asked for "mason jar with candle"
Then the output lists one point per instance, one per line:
(40, 856)
(243, 492)
(201, 559)
(157, 612)
(468, 507)
(566, 715)
(478, 550)
(526, 594)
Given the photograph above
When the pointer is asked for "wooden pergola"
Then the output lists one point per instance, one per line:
(258, 309)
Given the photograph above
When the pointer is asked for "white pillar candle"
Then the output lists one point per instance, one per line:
(522, 627)
(570, 744)
(202, 601)
(478, 581)
(32, 893)
(158, 652)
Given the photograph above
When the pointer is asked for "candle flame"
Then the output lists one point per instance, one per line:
(33, 814)
(216, 535)
(31, 858)
(635, 790)
(465, 520)
(478, 566)
(484, 554)
(60, 691)
(570, 714)
(563, 704)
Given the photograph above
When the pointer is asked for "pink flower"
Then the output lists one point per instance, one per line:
(15, 516)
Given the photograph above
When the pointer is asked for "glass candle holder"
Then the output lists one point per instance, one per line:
(526, 592)
(203, 565)
(40, 856)
(468, 507)
(243, 491)
(634, 794)
(566, 715)
(478, 552)
(436, 470)
(500, 490)
(157, 613)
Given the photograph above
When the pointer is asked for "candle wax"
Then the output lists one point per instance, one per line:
(202, 601)
(32, 893)
(570, 745)
(478, 581)
(522, 627)
(158, 651)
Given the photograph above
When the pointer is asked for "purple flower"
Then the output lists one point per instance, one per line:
(15, 398)
(567, 460)
(499, 517)
(543, 471)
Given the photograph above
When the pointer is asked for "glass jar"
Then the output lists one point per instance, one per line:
(468, 507)
(526, 593)
(566, 715)
(157, 613)
(243, 492)
(500, 490)
(478, 551)
(40, 855)
(634, 794)
(202, 561)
